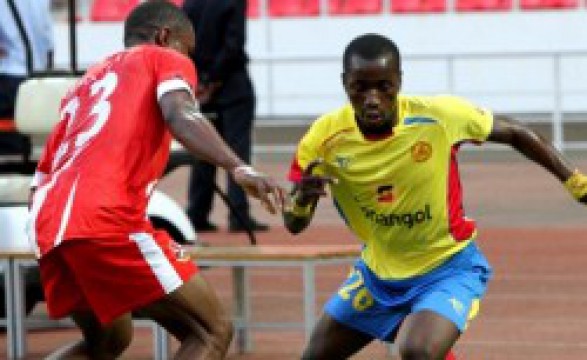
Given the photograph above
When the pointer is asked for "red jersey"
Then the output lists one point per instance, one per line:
(108, 150)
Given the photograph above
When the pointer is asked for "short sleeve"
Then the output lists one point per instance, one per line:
(462, 120)
(172, 70)
(308, 150)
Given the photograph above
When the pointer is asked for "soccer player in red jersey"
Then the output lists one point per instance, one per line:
(99, 256)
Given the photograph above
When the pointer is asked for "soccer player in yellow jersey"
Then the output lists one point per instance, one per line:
(390, 162)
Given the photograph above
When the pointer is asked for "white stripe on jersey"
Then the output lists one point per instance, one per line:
(171, 85)
(162, 268)
(38, 201)
(37, 178)
(66, 214)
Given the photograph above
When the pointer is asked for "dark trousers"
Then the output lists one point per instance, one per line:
(11, 142)
(235, 112)
(8, 88)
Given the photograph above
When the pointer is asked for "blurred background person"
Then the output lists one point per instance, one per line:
(26, 46)
(226, 92)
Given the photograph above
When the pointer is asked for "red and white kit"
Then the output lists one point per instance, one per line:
(98, 171)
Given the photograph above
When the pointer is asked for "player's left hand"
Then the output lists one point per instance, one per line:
(273, 197)
(576, 184)
(312, 186)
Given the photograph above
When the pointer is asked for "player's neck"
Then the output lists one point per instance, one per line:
(383, 131)
(378, 133)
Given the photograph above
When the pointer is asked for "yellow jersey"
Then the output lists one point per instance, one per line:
(401, 194)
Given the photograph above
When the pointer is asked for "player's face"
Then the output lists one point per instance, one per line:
(372, 87)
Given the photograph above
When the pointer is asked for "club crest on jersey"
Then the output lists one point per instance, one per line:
(421, 151)
(342, 161)
(385, 193)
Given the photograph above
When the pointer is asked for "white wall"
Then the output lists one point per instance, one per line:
(513, 61)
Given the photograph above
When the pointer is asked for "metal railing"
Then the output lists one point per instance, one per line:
(554, 108)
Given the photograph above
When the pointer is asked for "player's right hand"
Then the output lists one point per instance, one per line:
(311, 186)
(260, 186)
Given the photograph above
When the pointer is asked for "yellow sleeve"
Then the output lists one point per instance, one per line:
(462, 120)
(310, 147)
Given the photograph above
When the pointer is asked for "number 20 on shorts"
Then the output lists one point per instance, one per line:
(355, 290)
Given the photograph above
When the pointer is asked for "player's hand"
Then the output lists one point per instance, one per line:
(577, 186)
(311, 186)
(260, 186)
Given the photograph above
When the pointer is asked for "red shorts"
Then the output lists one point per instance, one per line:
(112, 276)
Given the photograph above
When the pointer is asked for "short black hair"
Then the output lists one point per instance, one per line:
(370, 47)
(150, 15)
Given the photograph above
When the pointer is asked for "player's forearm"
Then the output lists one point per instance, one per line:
(542, 152)
(202, 140)
(533, 146)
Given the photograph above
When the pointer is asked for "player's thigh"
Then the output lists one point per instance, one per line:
(333, 340)
(439, 315)
(426, 334)
(193, 307)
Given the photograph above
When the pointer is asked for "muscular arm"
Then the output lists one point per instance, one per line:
(534, 147)
(200, 138)
(194, 131)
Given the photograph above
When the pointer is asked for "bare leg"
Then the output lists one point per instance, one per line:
(98, 342)
(426, 335)
(194, 315)
(332, 340)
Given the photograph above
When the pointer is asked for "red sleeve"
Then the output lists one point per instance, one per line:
(171, 65)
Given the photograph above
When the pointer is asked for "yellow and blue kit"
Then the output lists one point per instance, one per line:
(401, 194)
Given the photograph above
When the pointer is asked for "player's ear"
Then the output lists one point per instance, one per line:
(162, 36)
(344, 79)
(400, 76)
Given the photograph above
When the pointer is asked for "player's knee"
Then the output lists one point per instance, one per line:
(116, 343)
(108, 347)
(313, 351)
(223, 332)
(118, 339)
(417, 350)
(119, 344)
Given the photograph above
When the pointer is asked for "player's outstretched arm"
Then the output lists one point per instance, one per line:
(201, 139)
(533, 146)
(298, 214)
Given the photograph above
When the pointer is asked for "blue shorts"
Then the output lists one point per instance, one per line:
(377, 307)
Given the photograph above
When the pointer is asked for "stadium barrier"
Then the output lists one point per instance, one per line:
(238, 258)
